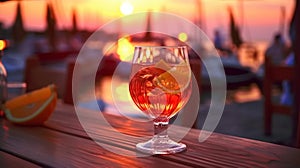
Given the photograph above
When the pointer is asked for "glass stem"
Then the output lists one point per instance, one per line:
(160, 127)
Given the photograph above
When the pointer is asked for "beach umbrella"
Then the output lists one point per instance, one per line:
(293, 24)
(234, 30)
(18, 31)
(74, 22)
(295, 38)
(51, 27)
(148, 36)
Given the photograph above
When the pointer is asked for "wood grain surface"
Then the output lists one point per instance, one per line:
(62, 142)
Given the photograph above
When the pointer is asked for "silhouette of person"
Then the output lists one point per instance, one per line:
(218, 40)
(277, 50)
(219, 43)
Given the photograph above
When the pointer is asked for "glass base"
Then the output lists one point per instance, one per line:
(160, 145)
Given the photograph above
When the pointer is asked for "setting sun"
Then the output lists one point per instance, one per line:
(126, 8)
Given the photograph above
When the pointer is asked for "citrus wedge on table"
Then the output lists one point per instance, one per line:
(33, 108)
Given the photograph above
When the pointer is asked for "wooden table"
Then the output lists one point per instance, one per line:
(62, 142)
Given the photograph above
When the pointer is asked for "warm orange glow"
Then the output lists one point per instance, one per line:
(2, 44)
(261, 18)
(125, 49)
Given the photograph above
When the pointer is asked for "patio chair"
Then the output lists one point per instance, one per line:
(275, 74)
(51, 68)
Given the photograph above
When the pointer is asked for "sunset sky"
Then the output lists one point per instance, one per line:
(261, 17)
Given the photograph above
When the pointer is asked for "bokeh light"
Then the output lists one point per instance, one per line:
(125, 49)
(182, 37)
(2, 44)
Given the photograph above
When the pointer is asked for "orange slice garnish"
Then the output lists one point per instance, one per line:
(175, 79)
(33, 108)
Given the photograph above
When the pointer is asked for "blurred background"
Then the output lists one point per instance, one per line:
(258, 19)
(53, 32)
(41, 26)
